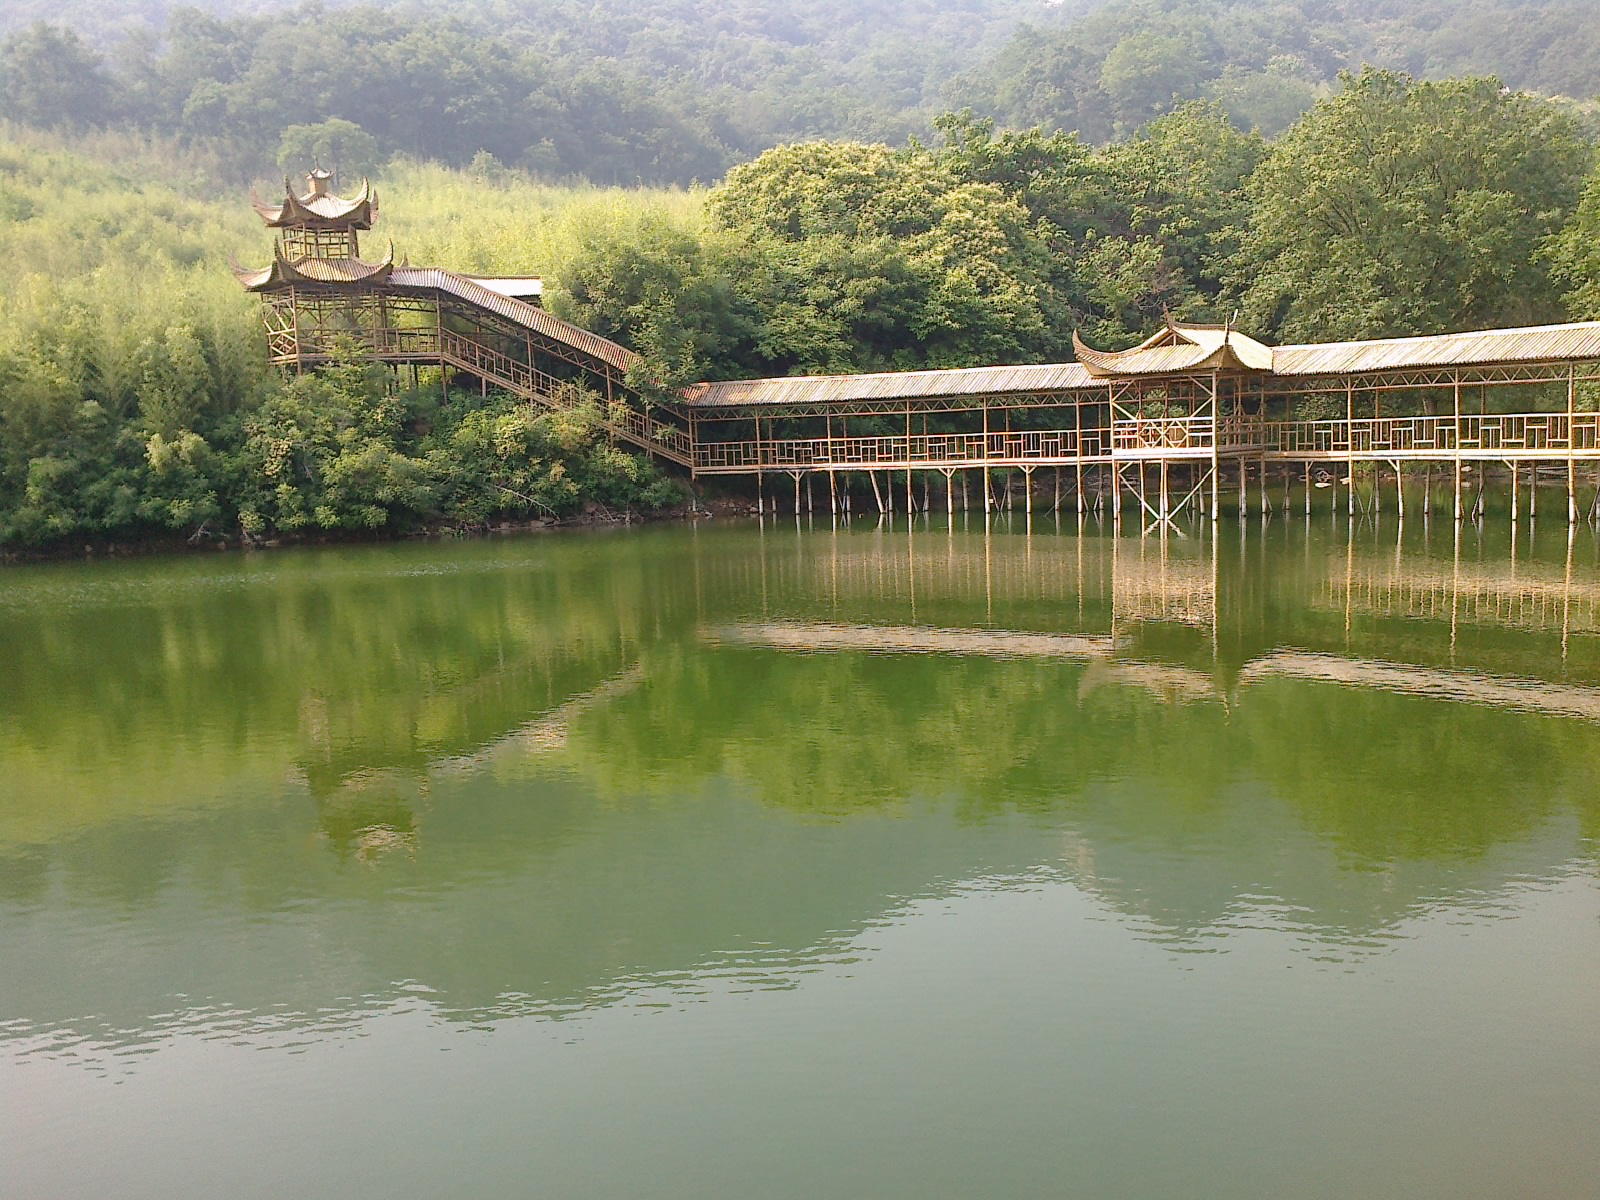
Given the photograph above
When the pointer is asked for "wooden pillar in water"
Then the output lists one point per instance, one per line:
(1572, 444)
(1515, 489)
(1456, 444)
(1350, 447)
(1308, 489)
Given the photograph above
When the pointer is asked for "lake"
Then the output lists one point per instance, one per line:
(794, 860)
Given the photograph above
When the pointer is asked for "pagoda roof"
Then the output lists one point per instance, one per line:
(320, 208)
(1178, 347)
(285, 272)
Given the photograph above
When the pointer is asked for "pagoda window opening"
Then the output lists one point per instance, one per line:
(319, 243)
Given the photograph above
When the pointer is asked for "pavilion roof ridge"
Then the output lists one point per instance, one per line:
(1178, 346)
(319, 208)
(285, 271)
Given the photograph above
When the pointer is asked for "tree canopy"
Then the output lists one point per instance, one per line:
(1398, 206)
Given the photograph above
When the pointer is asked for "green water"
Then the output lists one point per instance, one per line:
(730, 861)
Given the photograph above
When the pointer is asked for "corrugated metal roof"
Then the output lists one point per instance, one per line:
(518, 287)
(519, 312)
(1575, 342)
(890, 385)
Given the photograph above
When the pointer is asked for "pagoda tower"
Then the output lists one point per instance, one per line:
(318, 287)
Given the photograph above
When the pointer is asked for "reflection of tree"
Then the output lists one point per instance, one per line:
(369, 816)
(543, 778)
(198, 684)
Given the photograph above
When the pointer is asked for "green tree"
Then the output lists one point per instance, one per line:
(49, 80)
(1574, 255)
(1397, 207)
(665, 291)
(862, 257)
(340, 146)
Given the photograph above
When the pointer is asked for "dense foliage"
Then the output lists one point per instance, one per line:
(1112, 70)
(135, 399)
(1396, 206)
(619, 91)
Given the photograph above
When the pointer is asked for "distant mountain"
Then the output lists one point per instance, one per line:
(676, 90)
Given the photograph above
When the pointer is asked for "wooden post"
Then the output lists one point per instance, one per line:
(1350, 445)
(1399, 491)
(1456, 444)
(1308, 489)
(1572, 442)
(1514, 490)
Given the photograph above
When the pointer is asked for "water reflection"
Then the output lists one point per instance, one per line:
(546, 777)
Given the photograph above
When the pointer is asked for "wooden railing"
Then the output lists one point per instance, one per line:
(1158, 436)
(469, 354)
(1475, 435)
(931, 451)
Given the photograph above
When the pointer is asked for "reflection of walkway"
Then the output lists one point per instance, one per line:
(807, 638)
(1168, 681)
(1522, 695)
(911, 639)
(544, 733)
(1518, 595)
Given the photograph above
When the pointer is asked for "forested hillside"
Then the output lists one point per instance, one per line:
(618, 91)
(1108, 72)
